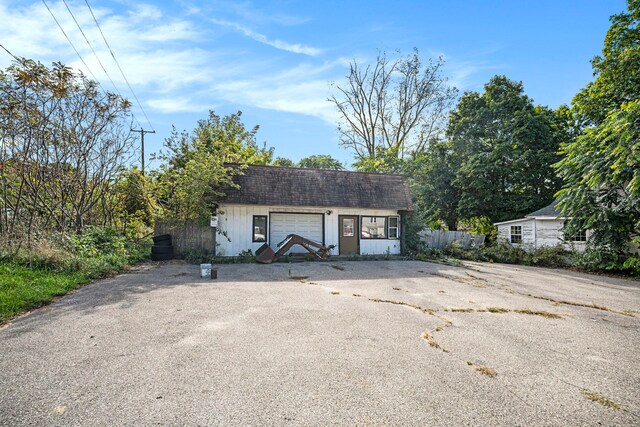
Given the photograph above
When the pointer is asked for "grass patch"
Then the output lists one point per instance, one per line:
(595, 306)
(431, 341)
(33, 278)
(406, 304)
(497, 310)
(23, 288)
(299, 278)
(598, 398)
(337, 267)
(538, 313)
(485, 370)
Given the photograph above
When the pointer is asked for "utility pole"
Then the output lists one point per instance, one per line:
(142, 132)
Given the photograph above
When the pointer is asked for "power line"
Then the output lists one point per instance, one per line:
(92, 49)
(118, 64)
(70, 42)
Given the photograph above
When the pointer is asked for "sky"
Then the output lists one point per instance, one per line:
(276, 60)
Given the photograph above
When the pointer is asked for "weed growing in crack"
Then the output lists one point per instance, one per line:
(485, 370)
(417, 307)
(538, 313)
(357, 295)
(335, 293)
(432, 342)
(337, 267)
(598, 398)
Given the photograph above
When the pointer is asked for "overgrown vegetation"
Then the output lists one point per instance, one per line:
(33, 277)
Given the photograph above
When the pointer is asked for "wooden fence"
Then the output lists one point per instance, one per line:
(440, 239)
(187, 237)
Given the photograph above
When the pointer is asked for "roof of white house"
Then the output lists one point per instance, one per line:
(548, 212)
(287, 186)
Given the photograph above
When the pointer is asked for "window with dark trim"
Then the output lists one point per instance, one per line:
(580, 236)
(373, 227)
(394, 227)
(259, 228)
(515, 234)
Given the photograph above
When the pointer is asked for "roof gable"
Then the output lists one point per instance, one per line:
(546, 212)
(271, 185)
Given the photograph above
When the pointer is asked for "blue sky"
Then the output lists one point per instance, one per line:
(274, 60)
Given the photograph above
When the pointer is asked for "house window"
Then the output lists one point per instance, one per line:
(580, 236)
(259, 228)
(394, 227)
(373, 227)
(516, 234)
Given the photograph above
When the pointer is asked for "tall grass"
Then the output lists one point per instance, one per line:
(33, 277)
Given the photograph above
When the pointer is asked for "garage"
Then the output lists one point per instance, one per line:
(309, 226)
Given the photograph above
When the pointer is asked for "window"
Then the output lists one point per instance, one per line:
(516, 234)
(580, 236)
(259, 228)
(394, 227)
(347, 227)
(373, 227)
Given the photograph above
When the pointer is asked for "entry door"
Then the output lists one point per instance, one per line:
(348, 239)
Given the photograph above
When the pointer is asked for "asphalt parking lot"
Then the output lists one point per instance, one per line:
(372, 343)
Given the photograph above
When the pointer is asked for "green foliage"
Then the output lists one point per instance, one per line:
(133, 203)
(480, 225)
(601, 167)
(502, 148)
(609, 261)
(197, 170)
(31, 278)
(284, 162)
(321, 161)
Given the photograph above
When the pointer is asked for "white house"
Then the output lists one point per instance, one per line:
(543, 227)
(359, 213)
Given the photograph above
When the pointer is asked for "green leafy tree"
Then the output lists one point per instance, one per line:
(197, 168)
(601, 167)
(502, 149)
(432, 176)
(284, 162)
(322, 161)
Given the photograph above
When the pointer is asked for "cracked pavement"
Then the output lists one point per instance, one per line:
(369, 343)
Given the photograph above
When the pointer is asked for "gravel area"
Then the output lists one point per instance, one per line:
(371, 343)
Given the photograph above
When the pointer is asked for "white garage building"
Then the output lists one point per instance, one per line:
(359, 213)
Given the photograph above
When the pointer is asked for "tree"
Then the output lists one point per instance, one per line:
(322, 161)
(63, 143)
(198, 167)
(283, 162)
(390, 109)
(502, 149)
(601, 167)
(432, 175)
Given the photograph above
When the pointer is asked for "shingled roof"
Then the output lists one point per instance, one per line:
(546, 212)
(271, 185)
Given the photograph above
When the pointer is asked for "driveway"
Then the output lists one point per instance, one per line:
(372, 343)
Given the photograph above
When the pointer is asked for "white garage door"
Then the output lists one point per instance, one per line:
(305, 225)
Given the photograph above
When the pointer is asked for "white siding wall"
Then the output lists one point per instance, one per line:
(537, 233)
(236, 221)
(528, 237)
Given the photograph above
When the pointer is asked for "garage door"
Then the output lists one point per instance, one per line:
(305, 225)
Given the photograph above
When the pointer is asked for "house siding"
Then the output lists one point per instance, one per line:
(538, 233)
(235, 228)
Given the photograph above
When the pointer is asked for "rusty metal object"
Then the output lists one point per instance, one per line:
(265, 254)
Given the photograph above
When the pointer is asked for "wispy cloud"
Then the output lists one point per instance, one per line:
(261, 38)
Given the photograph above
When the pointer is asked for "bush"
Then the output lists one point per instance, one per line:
(604, 260)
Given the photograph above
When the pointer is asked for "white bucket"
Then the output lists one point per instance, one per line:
(205, 271)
